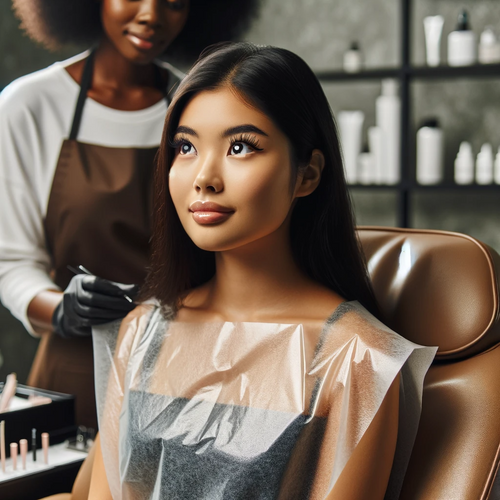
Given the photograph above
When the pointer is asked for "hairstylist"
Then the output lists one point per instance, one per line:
(77, 143)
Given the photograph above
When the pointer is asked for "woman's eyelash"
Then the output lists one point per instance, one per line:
(178, 141)
(251, 140)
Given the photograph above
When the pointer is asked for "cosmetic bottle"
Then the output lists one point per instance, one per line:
(353, 59)
(365, 166)
(489, 47)
(484, 165)
(351, 128)
(430, 152)
(496, 167)
(462, 43)
(387, 117)
(464, 164)
(433, 26)
(376, 146)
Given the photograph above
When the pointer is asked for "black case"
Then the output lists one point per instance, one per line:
(56, 418)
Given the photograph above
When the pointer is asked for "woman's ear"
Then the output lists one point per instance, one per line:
(309, 178)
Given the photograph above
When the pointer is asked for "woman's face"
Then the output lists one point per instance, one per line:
(230, 178)
(141, 30)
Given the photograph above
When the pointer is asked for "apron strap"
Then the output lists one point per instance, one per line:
(86, 83)
(161, 85)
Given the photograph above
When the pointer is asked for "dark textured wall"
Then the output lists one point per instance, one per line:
(320, 31)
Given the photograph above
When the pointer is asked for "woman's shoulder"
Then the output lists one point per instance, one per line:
(353, 323)
(50, 85)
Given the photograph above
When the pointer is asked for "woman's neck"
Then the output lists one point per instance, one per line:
(115, 71)
(117, 82)
(258, 282)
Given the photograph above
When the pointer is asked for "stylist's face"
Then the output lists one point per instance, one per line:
(230, 179)
(141, 30)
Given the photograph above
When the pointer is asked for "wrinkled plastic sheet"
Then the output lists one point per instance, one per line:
(247, 410)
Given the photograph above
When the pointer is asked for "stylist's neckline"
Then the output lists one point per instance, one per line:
(158, 107)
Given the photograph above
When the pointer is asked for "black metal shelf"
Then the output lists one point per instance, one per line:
(433, 187)
(406, 74)
(475, 71)
(414, 72)
(372, 74)
(457, 187)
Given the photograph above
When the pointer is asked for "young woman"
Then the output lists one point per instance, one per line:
(260, 370)
(77, 142)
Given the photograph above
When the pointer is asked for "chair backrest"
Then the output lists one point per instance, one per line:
(441, 288)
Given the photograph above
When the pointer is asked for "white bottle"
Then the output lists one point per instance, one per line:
(430, 153)
(365, 167)
(484, 165)
(462, 43)
(433, 26)
(376, 144)
(464, 164)
(489, 48)
(353, 59)
(388, 117)
(497, 167)
(351, 128)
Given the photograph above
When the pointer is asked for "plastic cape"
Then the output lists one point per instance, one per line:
(247, 410)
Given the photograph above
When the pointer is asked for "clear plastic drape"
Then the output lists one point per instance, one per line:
(247, 410)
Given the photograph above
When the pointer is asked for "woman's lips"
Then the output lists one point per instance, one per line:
(206, 212)
(139, 42)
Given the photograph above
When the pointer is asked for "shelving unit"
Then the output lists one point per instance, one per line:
(406, 74)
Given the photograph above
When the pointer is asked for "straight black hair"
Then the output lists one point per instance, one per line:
(323, 238)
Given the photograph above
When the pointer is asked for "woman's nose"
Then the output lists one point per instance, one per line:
(208, 179)
(149, 13)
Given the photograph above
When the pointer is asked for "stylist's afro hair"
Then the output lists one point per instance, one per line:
(56, 23)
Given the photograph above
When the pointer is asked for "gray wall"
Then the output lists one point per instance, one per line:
(320, 31)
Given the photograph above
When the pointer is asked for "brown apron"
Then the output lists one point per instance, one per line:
(98, 216)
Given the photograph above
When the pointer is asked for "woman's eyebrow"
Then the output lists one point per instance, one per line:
(185, 130)
(241, 129)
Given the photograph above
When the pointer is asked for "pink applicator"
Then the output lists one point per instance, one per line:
(13, 455)
(2, 444)
(45, 447)
(23, 444)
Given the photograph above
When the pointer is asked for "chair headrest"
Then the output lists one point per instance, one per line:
(435, 287)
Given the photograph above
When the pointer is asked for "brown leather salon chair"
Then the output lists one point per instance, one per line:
(441, 288)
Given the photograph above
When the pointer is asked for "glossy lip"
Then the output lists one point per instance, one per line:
(141, 41)
(208, 212)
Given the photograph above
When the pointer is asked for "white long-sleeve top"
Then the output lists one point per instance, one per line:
(36, 113)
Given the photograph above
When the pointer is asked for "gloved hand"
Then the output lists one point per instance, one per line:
(89, 300)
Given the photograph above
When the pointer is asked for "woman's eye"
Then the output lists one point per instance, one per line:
(176, 4)
(239, 148)
(186, 148)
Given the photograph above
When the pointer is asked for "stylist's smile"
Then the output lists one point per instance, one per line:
(141, 41)
(208, 212)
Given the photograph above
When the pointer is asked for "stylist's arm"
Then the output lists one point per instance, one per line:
(87, 301)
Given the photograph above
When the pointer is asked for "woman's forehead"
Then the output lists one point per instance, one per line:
(219, 109)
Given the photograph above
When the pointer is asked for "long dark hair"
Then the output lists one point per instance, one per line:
(323, 237)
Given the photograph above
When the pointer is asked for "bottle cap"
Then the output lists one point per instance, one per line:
(389, 87)
(463, 23)
(465, 149)
(488, 37)
(354, 45)
(486, 149)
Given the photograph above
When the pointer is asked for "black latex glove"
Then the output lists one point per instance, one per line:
(89, 300)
